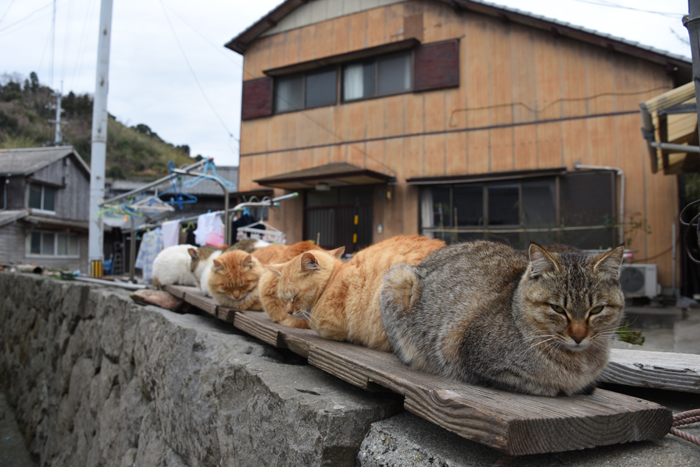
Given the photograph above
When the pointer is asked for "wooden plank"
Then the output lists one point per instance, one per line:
(178, 290)
(516, 424)
(246, 321)
(226, 314)
(662, 370)
(197, 298)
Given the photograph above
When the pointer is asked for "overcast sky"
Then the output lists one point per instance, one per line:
(170, 70)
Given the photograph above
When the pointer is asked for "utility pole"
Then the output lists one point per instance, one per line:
(99, 141)
(58, 136)
(692, 22)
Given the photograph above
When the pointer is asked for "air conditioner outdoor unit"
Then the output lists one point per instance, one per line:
(639, 280)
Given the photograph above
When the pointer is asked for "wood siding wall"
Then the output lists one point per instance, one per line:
(73, 196)
(527, 99)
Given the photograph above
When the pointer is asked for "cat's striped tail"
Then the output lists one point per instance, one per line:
(397, 299)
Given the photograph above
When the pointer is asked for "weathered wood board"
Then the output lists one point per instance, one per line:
(661, 370)
(516, 424)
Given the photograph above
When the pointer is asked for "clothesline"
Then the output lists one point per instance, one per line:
(274, 202)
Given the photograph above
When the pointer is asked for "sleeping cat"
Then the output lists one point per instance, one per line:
(341, 300)
(202, 260)
(233, 281)
(483, 313)
(172, 266)
(235, 274)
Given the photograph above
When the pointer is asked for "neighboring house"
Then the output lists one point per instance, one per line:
(45, 211)
(456, 119)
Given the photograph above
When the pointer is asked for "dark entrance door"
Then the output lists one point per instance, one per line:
(330, 217)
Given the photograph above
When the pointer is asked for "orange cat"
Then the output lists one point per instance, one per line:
(235, 274)
(233, 281)
(340, 300)
(267, 286)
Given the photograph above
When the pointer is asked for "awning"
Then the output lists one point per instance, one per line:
(486, 177)
(53, 223)
(330, 175)
(670, 126)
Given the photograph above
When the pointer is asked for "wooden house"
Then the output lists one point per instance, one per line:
(45, 209)
(456, 119)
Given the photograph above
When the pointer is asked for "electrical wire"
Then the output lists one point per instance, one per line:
(27, 17)
(622, 7)
(82, 41)
(177, 40)
(69, 11)
(8, 9)
(244, 72)
(558, 101)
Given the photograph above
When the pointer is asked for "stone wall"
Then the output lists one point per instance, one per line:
(96, 380)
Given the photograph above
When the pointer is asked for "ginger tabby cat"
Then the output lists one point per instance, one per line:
(235, 274)
(340, 300)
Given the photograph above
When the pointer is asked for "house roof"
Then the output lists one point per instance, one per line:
(241, 42)
(26, 161)
(7, 217)
(335, 174)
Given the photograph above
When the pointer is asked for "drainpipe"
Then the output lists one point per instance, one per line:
(579, 166)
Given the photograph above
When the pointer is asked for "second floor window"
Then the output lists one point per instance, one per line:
(307, 90)
(42, 197)
(385, 75)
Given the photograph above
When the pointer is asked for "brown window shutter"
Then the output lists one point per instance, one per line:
(257, 98)
(436, 66)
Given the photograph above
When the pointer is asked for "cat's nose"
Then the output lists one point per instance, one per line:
(236, 294)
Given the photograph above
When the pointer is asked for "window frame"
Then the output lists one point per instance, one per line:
(485, 230)
(55, 255)
(43, 187)
(375, 72)
(304, 74)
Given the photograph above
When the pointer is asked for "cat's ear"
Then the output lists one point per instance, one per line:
(194, 253)
(248, 262)
(541, 261)
(217, 266)
(338, 252)
(274, 271)
(309, 263)
(609, 262)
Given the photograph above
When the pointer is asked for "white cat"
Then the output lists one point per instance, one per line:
(173, 266)
(202, 261)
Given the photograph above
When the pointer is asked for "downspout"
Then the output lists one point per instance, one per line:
(621, 216)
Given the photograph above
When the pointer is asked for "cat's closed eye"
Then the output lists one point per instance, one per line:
(558, 309)
(596, 310)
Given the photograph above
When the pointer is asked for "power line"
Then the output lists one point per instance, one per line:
(558, 101)
(8, 9)
(177, 40)
(622, 7)
(27, 17)
(82, 41)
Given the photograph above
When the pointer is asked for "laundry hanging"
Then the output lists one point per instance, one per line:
(151, 245)
(206, 223)
(171, 233)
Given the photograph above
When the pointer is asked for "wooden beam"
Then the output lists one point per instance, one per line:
(660, 370)
(516, 424)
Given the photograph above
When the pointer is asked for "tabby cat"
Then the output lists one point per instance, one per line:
(234, 279)
(340, 300)
(483, 313)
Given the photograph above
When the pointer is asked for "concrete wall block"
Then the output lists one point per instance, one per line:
(97, 380)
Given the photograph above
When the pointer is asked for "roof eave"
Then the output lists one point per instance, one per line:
(578, 33)
(240, 42)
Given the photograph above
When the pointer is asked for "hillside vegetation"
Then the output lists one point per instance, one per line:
(134, 153)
